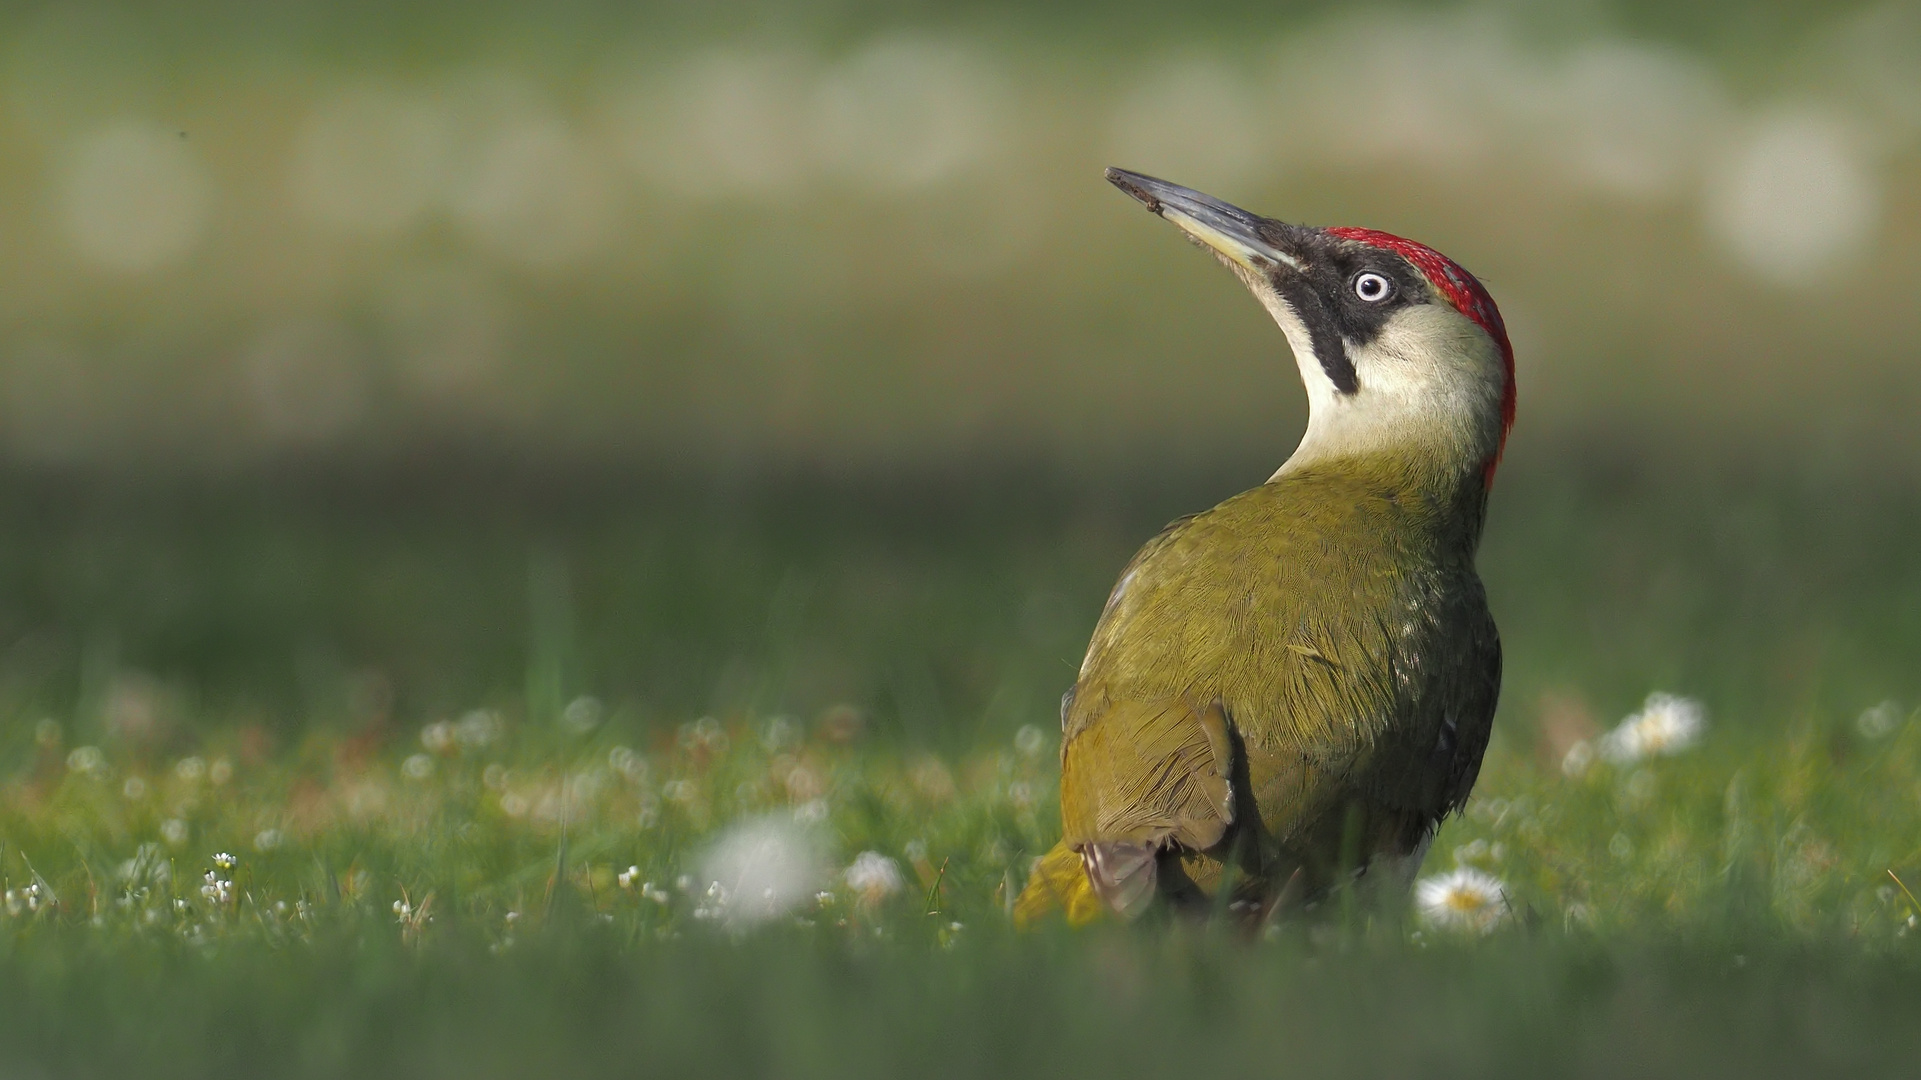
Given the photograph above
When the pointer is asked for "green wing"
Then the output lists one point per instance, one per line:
(1348, 669)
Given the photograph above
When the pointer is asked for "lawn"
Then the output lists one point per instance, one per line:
(740, 786)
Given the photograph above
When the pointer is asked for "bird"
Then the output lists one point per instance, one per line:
(1288, 693)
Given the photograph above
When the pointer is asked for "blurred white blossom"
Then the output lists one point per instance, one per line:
(759, 870)
(1578, 758)
(1465, 899)
(582, 715)
(438, 737)
(1029, 740)
(477, 729)
(1879, 721)
(87, 761)
(1667, 724)
(874, 877)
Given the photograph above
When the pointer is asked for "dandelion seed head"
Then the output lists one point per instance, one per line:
(1464, 899)
(417, 767)
(191, 769)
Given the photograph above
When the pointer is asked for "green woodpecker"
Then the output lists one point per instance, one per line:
(1293, 689)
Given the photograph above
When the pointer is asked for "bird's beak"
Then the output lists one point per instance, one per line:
(1228, 230)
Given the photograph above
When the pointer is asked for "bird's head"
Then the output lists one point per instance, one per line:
(1401, 349)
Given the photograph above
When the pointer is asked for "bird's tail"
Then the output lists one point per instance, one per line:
(1058, 883)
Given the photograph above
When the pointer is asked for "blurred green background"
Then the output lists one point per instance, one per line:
(365, 364)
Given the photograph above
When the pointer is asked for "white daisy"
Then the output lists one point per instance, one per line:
(1466, 899)
(1666, 724)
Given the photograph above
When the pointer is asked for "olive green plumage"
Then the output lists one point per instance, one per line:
(1291, 684)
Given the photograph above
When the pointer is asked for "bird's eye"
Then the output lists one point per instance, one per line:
(1372, 287)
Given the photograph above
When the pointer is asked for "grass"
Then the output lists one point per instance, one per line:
(431, 875)
(1716, 911)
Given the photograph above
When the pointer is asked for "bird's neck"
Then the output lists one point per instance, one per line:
(1427, 419)
(1445, 490)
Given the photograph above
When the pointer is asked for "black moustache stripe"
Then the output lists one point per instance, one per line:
(1330, 346)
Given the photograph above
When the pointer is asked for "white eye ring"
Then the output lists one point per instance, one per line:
(1372, 287)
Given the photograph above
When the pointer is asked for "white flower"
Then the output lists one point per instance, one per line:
(874, 877)
(1666, 724)
(1579, 757)
(87, 761)
(1466, 899)
(581, 715)
(624, 761)
(758, 870)
(781, 733)
(225, 862)
(1029, 740)
(438, 737)
(477, 729)
(628, 876)
(1881, 720)
(216, 890)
